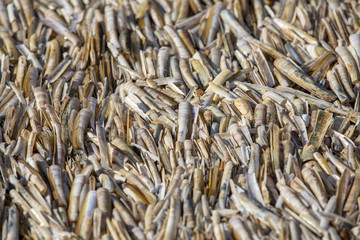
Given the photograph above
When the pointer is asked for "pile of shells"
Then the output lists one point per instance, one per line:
(179, 119)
